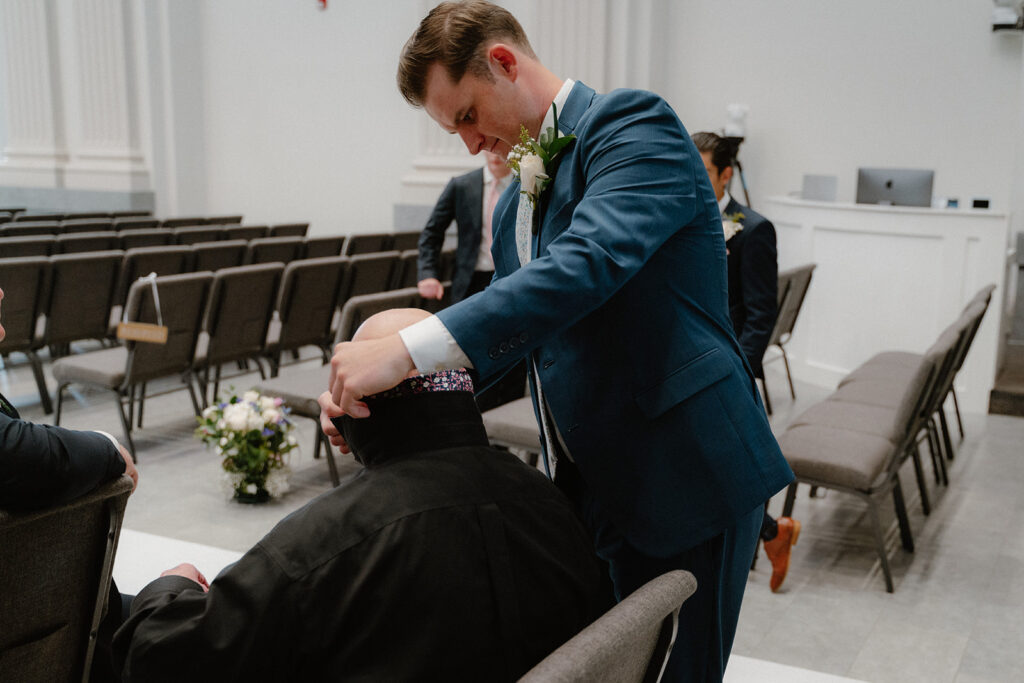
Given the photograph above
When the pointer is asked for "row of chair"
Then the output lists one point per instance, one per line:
(858, 438)
(44, 305)
(124, 224)
(79, 242)
(17, 213)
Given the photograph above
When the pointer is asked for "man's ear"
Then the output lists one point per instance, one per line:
(502, 61)
(725, 174)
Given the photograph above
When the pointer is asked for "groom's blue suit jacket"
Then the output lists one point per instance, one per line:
(624, 308)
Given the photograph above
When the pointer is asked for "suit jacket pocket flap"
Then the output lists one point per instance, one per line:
(684, 382)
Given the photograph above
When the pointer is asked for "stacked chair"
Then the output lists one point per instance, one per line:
(859, 437)
(793, 286)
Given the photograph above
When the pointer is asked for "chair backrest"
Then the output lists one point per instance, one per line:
(81, 292)
(82, 215)
(183, 300)
(183, 222)
(86, 225)
(403, 241)
(800, 281)
(984, 296)
(245, 232)
(30, 228)
(29, 245)
(274, 250)
(216, 255)
(24, 281)
(358, 308)
(785, 286)
(145, 237)
(628, 644)
(975, 312)
(131, 213)
(197, 233)
(370, 273)
(135, 223)
(289, 230)
(55, 571)
(308, 300)
(139, 262)
(79, 242)
(447, 264)
(329, 245)
(368, 243)
(241, 304)
(222, 220)
(406, 273)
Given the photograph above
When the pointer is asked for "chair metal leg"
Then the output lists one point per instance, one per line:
(187, 379)
(933, 452)
(787, 507)
(789, 375)
(37, 372)
(945, 434)
(915, 456)
(956, 409)
(131, 404)
(60, 403)
(901, 516)
(216, 384)
(142, 400)
(331, 465)
(126, 422)
(876, 526)
(938, 461)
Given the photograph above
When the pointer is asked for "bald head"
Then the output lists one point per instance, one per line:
(388, 322)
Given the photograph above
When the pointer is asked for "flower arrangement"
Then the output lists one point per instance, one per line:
(731, 224)
(530, 158)
(252, 433)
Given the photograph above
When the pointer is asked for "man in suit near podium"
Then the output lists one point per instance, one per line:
(753, 302)
(612, 285)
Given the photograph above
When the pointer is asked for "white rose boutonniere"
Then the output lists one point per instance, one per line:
(530, 158)
(731, 224)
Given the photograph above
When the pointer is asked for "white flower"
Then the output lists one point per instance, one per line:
(251, 489)
(254, 420)
(531, 167)
(209, 412)
(236, 417)
(229, 481)
(271, 415)
(730, 228)
(251, 396)
(277, 482)
(291, 439)
(266, 403)
(224, 441)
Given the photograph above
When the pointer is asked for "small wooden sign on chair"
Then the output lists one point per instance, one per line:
(145, 332)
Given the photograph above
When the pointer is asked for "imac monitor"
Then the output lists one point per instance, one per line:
(895, 186)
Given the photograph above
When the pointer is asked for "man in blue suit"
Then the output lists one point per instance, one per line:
(651, 418)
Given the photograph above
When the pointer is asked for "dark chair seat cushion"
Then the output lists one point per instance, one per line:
(105, 368)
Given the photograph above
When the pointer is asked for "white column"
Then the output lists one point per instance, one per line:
(35, 133)
(73, 70)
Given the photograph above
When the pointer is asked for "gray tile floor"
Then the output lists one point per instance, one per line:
(957, 613)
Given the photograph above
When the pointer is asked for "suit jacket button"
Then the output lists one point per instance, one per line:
(513, 343)
(503, 346)
(493, 353)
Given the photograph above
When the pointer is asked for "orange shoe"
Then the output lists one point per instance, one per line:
(778, 549)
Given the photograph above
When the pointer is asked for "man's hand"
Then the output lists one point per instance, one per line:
(129, 467)
(430, 288)
(364, 368)
(189, 571)
(328, 410)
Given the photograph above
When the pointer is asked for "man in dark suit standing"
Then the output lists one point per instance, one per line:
(611, 283)
(469, 200)
(753, 295)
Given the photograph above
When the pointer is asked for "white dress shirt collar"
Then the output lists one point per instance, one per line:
(724, 202)
(559, 101)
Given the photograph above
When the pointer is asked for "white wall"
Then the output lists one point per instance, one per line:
(836, 85)
(303, 120)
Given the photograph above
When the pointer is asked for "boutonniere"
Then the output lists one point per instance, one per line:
(530, 158)
(731, 224)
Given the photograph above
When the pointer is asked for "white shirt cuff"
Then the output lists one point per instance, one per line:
(432, 347)
(117, 444)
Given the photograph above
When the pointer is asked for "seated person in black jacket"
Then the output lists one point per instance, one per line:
(43, 466)
(442, 560)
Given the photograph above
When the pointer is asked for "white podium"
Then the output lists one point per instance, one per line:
(890, 278)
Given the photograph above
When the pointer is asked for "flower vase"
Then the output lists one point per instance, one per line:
(261, 496)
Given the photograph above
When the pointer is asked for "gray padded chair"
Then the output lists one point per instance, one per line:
(370, 273)
(81, 293)
(367, 243)
(630, 643)
(799, 280)
(327, 245)
(86, 225)
(245, 232)
(81, 242)
(514, 426)
(33, 217)
(169, 260)
(223, 220)
(300, 388)
(237, 318)
(30, 228)
(305, 307)
(145, 237)
(55, 568)
(135, 223)
(194, 234)
(24, 282)
(403, 241)
(274, 250)
(406, 273)
(122, 369)
(29, 245)
(289, 230)
(216, 255)
(131, 213)
(185, 221)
